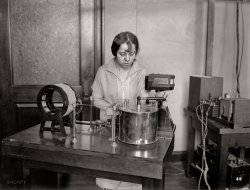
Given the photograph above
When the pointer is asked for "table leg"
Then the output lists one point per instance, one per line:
(11, 173)
(191, 141)
(225, 143)
(152, 184)
(26, 177)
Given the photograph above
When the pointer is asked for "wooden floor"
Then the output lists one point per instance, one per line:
(175, 180)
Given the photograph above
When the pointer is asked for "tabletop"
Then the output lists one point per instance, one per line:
(217, 126)
(91, 151)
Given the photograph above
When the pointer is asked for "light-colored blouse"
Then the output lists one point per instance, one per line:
(108, 88)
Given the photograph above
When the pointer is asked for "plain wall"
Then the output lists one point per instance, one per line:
(172, 35)
(225, 46)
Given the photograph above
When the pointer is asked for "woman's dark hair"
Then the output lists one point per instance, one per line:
(124, 37)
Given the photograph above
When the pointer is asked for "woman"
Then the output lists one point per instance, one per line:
(121, 78)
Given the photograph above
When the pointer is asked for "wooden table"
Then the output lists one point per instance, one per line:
(92, 155)
(220, 134)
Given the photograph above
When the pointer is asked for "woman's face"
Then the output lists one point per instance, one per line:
(124, 57)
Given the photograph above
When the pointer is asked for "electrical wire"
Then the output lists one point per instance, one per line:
(204, 153)
(237, 51)
(239, 56)
(204, 131)
(242, 40)
(177, 168)
(116, 188)
(179, 172)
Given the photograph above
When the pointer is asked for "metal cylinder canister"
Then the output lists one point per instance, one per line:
(138, 127)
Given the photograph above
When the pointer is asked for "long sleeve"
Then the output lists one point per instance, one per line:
(98, 94)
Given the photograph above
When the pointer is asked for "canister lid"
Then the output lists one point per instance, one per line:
(147, 108)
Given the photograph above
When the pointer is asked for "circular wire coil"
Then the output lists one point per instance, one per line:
(45, 99)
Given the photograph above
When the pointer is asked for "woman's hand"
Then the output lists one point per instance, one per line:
(161, 94)
(109, 111)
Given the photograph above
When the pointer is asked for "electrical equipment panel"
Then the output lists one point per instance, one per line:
(237, 173)
(235, 112)
(202, 88)
(159, 82)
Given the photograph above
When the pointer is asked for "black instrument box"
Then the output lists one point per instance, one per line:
(237, 174)
(235, 112)
(202, 88)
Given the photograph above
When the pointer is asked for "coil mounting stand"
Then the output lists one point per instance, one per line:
(46, 105)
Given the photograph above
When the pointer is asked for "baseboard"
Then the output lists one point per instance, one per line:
(178, 156)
